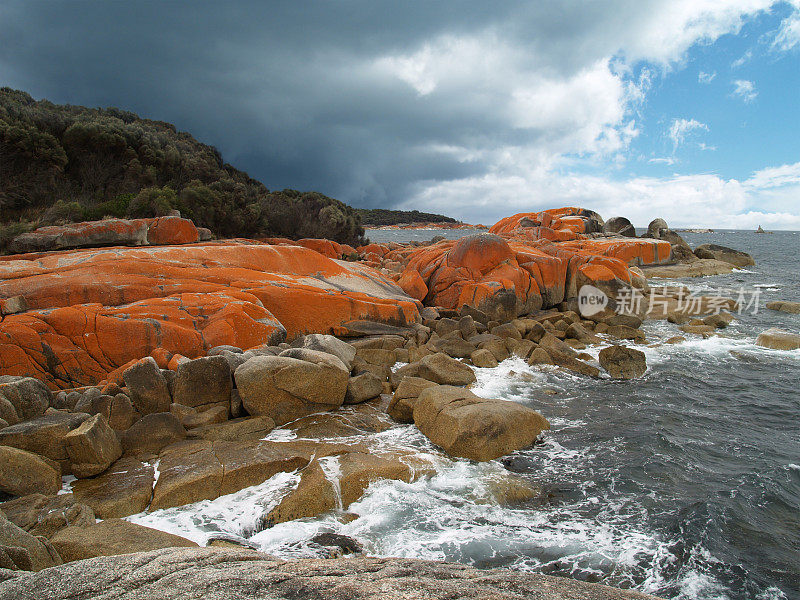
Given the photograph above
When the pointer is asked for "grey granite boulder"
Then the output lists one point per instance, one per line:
(225, 574)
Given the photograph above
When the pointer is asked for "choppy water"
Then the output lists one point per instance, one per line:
(685, 484)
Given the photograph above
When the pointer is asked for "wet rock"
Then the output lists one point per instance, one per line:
(468, 426)
(23, 473)
(203, 383)
(539, 356)
(622, 362)
(701, 329)
(784, 306)
(778, 339)
(347, 544)
(719, 320)
(58, 512)
(316, 493)
(483, 358)
(92, 447)
(151, 433)
(363, 387)
(147, 387)
(188, 472)
(284, 388)
(125, 488)
(571, 363)
(401, 408)
(700, 268)
(112, 537)
(735, 257)
(623, 332)
(444, 370)
(241, 429)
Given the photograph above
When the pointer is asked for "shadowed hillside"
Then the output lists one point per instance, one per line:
(72, 163)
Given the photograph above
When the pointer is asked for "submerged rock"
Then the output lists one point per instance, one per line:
(784, 306)
(622, 362)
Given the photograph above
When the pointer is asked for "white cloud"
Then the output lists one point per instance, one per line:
(744, 89)
(558, 105)
(772, 177)
(702, 200)
(742, 59)
(704, 77)
(789, 33)
(681, 128)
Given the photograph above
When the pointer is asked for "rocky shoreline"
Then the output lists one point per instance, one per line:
(152, 373)
(228, 574)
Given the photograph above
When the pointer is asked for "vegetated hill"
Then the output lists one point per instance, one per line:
(383, 216)
(62, 163)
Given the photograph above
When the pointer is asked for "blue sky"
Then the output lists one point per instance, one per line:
(472, 109)
(733, 135)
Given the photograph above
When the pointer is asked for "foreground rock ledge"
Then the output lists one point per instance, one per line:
(242, 574)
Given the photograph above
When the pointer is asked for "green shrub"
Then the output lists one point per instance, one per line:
(72, 163)
(63, 212)
(153, 202)
(9, 231)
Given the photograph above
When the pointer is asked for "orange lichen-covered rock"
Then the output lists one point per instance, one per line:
(171, 230)
(412, 284)
(109, 232)
(569, 219)
(91, 311)
(327, 248)
(485, 271)
(528, 261)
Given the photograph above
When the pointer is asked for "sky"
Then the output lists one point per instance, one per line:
(687, 110)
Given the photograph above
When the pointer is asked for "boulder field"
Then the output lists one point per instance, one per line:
(87, 299)
(153, 370)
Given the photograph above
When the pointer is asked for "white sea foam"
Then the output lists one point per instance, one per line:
(66, 484)
(237, 514)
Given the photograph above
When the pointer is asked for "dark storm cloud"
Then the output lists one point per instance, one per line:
(269, 84)
(463, 107)
(253, 79)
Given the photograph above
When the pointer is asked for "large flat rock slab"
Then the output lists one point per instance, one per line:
(92, 311)
(227, 574)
